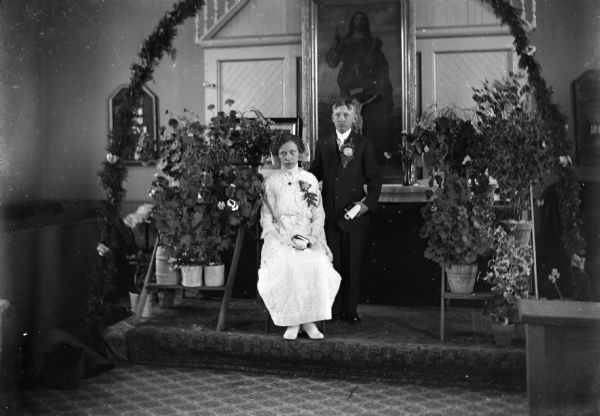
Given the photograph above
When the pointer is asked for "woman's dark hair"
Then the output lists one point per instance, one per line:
(283, 138)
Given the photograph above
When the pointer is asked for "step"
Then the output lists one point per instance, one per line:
(393, 343)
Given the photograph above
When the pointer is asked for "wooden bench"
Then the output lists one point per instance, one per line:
(563, 356)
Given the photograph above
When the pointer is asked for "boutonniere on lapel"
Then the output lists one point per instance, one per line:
(311, 198)
(347, 152)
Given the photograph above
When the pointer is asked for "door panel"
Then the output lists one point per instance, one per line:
(261, 77)
(253, 84)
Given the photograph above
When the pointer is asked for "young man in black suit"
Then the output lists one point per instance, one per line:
(345, 162)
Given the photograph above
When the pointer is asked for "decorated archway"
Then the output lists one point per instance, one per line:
(160, 42)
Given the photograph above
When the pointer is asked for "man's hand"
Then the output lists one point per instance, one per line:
(363, 209)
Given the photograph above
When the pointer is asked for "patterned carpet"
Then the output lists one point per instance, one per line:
(151, 390)
(397, 344)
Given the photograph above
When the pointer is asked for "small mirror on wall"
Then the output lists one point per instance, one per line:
(145, 125)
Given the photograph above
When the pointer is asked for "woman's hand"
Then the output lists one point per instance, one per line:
(319, 246)
(283, 240)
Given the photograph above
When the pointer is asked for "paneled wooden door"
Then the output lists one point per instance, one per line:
(452, 67)
(263, 77)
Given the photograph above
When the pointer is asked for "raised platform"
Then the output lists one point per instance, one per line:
(395, 343)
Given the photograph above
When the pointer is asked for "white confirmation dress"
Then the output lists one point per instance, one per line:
(297, 286)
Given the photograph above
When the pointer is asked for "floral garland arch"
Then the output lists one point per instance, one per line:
(160, 42)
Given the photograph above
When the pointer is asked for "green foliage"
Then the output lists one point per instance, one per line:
(446, 143)
(509, 273)
(202, 194)
(514, 144)
(457, 224)
(567, 185)
(248, 136)
(122, 138)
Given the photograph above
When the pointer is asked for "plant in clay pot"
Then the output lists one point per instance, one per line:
(206, 186)
(457, 225)
(509, 274)
(442, 140)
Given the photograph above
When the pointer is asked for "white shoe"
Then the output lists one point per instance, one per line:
(291, 332)
(312, 331)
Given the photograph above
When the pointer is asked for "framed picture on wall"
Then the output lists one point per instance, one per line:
(289, 124)
(363, 51)
(586, 99)
(145, 125)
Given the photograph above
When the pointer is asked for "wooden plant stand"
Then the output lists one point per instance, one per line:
(150, 282)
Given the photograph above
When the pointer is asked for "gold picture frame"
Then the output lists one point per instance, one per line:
(392, 22)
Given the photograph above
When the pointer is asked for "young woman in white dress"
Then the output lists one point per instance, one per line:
(297, 283)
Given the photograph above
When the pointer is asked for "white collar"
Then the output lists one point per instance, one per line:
(293, 171)
(343, 136)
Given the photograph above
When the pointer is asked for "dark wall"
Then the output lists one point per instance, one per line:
(45, 259)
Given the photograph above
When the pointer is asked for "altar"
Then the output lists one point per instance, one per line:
(395, 272)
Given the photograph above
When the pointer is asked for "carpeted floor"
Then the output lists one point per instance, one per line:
(393, 343)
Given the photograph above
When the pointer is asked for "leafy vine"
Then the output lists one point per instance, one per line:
(113, 171)
(567, 185)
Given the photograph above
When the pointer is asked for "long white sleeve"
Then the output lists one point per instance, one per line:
(267, 221)
(318, 216)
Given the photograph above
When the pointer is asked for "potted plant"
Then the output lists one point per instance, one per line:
(457, 223)
(509, 274)
(246, 136)
(222, 220)
(208, 185)
(231, 191)
(189, 260)
(458, 228)
(178, 212)
(511, 129)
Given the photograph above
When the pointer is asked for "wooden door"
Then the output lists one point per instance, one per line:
(261, 77)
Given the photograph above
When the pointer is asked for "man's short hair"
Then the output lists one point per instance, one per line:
(343, 101)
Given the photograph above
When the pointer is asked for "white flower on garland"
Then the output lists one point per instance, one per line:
(141, 215)
(173, 183)
(554, 275)
(529, 50)
(102, 249)
(162, 163)
(112, 159)
(565, 161)
(221, 205)
(233, 205)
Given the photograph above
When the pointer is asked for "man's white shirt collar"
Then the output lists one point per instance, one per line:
(343, 136)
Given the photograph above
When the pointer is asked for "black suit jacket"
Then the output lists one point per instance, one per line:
(344, 185)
